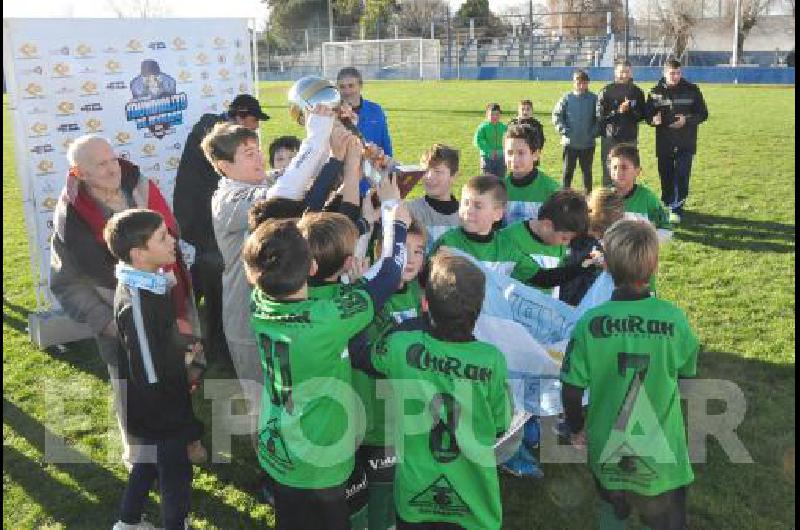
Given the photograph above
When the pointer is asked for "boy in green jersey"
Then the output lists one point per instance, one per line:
(527, 187)
(306, 434)
(455, 403)
(640, 203)
(630, 353)
(489, 141)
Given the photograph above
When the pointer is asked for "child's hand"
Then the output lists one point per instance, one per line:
(657, 119)
(387, 190)
(340, 141)
(357, 268)
(347, 113)
(403, 214)
(595, 258)
(679, 122)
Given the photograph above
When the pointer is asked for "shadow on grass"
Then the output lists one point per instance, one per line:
(734, 233)
(18, 321)
(94, 501)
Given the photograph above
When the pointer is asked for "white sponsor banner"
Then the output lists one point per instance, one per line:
(140, 83)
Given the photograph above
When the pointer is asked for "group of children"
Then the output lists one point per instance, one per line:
(379, 407)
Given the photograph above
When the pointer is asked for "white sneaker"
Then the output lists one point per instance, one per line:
(144, 525)
(674, 218)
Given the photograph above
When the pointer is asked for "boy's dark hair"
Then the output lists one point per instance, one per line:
(274, 208)
(524, 131)
(454, 290)
(631, 251)
(627, 151)
(526, 102)
(489, 184)
(580, 75)
(567, 210)
(130, 229)
(493, 107)
(350, 71)
(331, 238)
(622, 62)
(292, 143)
(277, 258)
(672, 63)
(223, 140)
(441, 154)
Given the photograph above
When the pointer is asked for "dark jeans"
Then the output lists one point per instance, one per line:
(493, 167)
(208, 268)
(666, 511)
(311, 509)
(674, 170)
(606, 144)
(174, 473)
(585, 157)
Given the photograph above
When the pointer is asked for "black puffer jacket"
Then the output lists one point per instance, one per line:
(684, 98)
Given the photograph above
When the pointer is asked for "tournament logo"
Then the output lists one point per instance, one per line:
(172, 163)
(219, 43)
(157, 45)
(83, 51)
(34, 90)
(94, 125)
(91, 107)
(149, 150)
(201, 59)
(42, 149)
(38, 129)
(113, 67)
(224, 74)
(178, 44)
(184, 76)
(44, 167)
(28, 51)
(207, 91)
(440, 498)
(134, 46)
(156, 104)
(123, 138)
(117, 85)
(65, 108)
(89, 88)
(61, 70)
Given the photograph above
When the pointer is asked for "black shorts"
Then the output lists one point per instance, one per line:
(311, 509)
(666, 511)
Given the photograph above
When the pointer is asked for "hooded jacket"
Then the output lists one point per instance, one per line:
(684, 98)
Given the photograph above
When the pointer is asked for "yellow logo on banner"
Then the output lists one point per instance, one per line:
(28, 50)
(219, 42)
(66, 107)
(82, 50)
(134, 45)
(45, 166)
(172, 163)
(94, 125)
(148, 149)
(185, 76)
(61, 69)
(202, 58)
(34, 89)
(89, 87)
(224, 74)
(178, 43)
(39, 128)
(207, 90)
(123, 138)
(113, 66)
(49, 203)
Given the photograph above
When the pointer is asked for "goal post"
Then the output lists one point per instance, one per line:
(384, 59)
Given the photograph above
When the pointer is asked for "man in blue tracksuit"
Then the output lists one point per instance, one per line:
(371, 121)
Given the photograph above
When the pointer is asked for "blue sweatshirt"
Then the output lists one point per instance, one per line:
(575, 119)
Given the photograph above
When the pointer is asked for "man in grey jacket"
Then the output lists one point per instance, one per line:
(575, 120)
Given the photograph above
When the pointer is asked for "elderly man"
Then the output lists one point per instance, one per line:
(82, 268)
(195, 183)
(675, 107)
(620, 108)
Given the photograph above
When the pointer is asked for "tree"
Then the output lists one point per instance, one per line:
(677, 18)
(414, 16)
(750, 11)
(477, 9)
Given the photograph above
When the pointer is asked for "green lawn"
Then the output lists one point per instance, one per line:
(730, 266)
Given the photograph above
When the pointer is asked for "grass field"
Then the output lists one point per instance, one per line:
(730, 266)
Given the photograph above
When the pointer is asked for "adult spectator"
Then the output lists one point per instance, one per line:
(82, 276)
(370, 118)
(620, 108)
(675, 107)
(195, 183)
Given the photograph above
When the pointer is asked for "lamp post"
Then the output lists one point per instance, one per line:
(735, 56)
(626, 30)
(330, 21)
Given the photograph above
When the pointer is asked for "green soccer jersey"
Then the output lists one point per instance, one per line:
(630, 354)
(495, 251)
(544, 256)
(306, 435)
(403, 305)
(455, 404)
(526, 195)
(641, 203)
